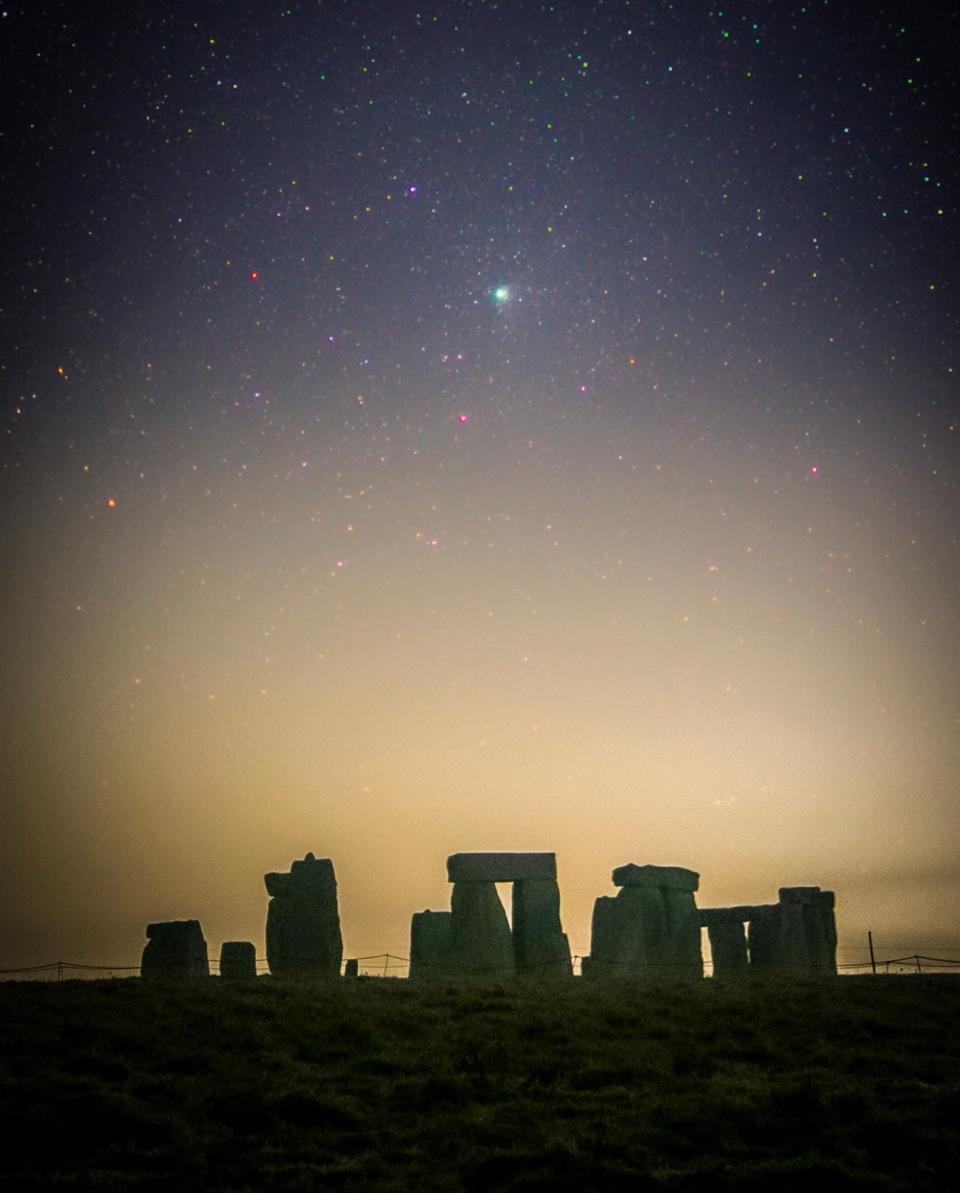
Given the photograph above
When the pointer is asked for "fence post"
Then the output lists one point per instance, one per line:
(59, 971)
(873, 960)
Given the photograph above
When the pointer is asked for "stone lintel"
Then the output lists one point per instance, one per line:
(730, 915)
(671, 878)
(501, 867)
(173, 928)
(799, 894)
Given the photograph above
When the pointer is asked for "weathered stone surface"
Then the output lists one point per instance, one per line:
(431, 942)
(797, 936)
(728, 946)
(646, 932)
(238, 959)
(540, 947)
(681, 953)
(303, 921)
(627, 933)
(733, 915)
(667, 878)
(607, 941)
(481, 942)
(175, 949)
(501, 867)
(808, 935)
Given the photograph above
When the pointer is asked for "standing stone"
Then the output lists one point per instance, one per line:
(808, 934)
(651, 930)
(431, 937)
(481, 943)
(303, 920)
(681, 954)
(175, 949)
(728, 945)
(607, 945)
(238, 959)
(540, 948)
(763, 938)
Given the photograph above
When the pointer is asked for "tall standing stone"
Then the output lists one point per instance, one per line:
(303, 920)
(175, 949)
(540, 947)
(808, 934)
(728, 947)
(480, 940)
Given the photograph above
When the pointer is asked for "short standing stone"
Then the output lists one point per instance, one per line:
(303, 920)
(430, 944)
(501, 867)
(175, 949)
(238, 959)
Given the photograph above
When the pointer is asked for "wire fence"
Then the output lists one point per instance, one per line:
(392, 965)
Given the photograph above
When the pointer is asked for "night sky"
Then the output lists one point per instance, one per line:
(476, 426)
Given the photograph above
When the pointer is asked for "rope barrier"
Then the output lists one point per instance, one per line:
(392, 961)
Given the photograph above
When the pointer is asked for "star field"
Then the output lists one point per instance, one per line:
(480, 426)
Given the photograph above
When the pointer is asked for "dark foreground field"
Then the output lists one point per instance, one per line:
(377, 1084)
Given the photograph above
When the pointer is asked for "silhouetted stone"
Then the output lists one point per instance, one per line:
(238, 959)
(664, 878)
(431, 943)
(501, 867)
(303, 921)
(352, 968)
(175, 949)
(607, 941)
(540, 947)
(277, 884)
(728, 945)
(648, 931)
(808, 934)
(733, 915)
(680, 955)
(481, 942)
(763, 938)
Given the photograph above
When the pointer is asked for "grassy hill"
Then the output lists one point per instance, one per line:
(852, 1083)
